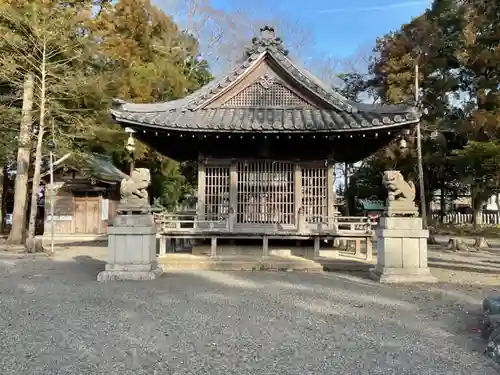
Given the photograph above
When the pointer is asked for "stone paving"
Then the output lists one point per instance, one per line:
(56, 319)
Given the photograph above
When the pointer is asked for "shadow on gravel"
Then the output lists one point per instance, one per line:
(90, 265)
(430, 312)
(457, 265)
(95, 243)
(83, 268)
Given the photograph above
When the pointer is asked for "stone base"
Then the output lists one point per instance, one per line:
(403, 276)
(181, 261)
(402, 252)
(116, 274)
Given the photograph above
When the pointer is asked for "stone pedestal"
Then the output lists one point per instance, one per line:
(402, 251)
(131, 249)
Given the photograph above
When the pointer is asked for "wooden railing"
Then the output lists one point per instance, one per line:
(343, 223)
(187, 222)
(168, 223)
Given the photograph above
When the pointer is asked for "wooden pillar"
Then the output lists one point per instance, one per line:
(200, 211)
(233, 194)
(330, 186)
(369, 248)
(265, 246)
(163, 246)
(298, 193)
(316, 246)
(357, 247)
(213, 247)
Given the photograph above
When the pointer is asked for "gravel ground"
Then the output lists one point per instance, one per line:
(56, 319)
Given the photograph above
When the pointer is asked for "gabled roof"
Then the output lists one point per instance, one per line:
(301, 102)
(96, 166)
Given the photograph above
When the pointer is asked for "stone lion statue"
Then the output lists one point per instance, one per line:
(401, 194)
(133, 189)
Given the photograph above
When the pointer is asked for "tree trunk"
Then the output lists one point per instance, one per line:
(456, 244)
(3, 198)
(498, 207)
(35, 190)
(442, 203)
(2, 203)
(481, 243)
(428, 211)
(18, 230)
(477, 209)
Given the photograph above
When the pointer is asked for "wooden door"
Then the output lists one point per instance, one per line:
(87, 215)
(93, 215)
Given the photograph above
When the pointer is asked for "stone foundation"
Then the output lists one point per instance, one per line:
(131, 249)
(402, 252)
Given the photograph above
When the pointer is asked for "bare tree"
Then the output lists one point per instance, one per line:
(223, 35)
(18, 229)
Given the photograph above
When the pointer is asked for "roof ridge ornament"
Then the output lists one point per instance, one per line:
(266, 41)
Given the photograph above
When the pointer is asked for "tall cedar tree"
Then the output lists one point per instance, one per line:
(145, 58)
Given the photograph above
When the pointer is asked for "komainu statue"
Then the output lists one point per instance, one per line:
(401, 195)
(133, 190)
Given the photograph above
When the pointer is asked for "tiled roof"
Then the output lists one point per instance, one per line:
(338, 114)
(268, 120)
(96, 166)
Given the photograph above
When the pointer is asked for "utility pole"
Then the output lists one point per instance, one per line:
(52, 201)
(423, 209)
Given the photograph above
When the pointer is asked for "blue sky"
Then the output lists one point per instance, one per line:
(339, 31)
(339, 28)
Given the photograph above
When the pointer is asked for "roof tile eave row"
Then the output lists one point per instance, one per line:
(264, 115)
(251, 130)
(274, 121)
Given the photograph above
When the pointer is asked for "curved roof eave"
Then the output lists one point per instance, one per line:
(174, 128)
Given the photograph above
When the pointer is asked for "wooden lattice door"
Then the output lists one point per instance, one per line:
(265, 193)
(315, 193)
(216, 193)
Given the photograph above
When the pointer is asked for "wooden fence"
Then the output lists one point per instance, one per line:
(463, 219)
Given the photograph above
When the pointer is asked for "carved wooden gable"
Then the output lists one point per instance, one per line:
(267, 91)
(263, 87)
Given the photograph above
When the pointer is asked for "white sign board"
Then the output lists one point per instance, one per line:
(105, 209)
(60, 218)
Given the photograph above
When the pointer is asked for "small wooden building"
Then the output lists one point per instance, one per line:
(266, 137)
(372, 207)
(85, 196)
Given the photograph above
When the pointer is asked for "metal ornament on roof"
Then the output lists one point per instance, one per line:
(266, 40)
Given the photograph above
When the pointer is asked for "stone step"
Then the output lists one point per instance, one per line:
(238, 263)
